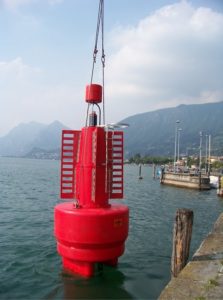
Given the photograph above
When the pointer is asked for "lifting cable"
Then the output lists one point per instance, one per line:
(100, 26)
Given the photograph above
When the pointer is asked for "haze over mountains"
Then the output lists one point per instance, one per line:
(150, 133)
(25, 139)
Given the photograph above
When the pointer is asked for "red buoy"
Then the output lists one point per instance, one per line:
(89, 229)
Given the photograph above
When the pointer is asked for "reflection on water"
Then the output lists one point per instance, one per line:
(107, 284)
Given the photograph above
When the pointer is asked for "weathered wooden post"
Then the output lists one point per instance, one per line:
(181, 240)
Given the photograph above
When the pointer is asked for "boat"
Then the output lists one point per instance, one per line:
(214, 181)
(192, 180)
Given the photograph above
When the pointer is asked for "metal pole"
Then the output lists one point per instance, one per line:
(209, 155)
(206, 154)
(200, 151)
(178, 146)
(175, 146)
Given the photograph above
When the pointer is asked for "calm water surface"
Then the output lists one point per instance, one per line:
(30, 267)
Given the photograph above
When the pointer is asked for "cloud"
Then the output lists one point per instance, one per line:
(15, 4)
(173, 56)
(15, 70)
(54, 2)
(27, 95)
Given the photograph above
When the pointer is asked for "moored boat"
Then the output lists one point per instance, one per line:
(187, 180)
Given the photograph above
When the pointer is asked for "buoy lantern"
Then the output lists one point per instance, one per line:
(89, 229)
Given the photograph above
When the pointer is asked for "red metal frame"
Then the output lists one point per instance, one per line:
(69, 157)
(115, 164)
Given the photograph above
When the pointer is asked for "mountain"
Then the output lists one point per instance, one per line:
(49, 137)
(153, 133)
(25, 138)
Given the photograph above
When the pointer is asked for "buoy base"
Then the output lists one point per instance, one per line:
(84, 269)
(86, 237)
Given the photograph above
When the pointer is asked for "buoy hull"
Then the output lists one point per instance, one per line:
(87, 236)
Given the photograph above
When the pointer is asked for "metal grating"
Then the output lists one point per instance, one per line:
(69, 157)
(115, 164)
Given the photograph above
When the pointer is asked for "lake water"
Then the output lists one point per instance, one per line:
(30, 267)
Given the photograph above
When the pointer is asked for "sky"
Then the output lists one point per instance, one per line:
(159, 54)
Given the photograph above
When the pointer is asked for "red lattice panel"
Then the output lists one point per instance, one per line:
(69, 157)
(115, 164)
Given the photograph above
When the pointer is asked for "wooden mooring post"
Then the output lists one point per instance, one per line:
(181, 240)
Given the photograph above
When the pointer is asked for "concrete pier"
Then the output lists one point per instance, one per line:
(202, 278)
